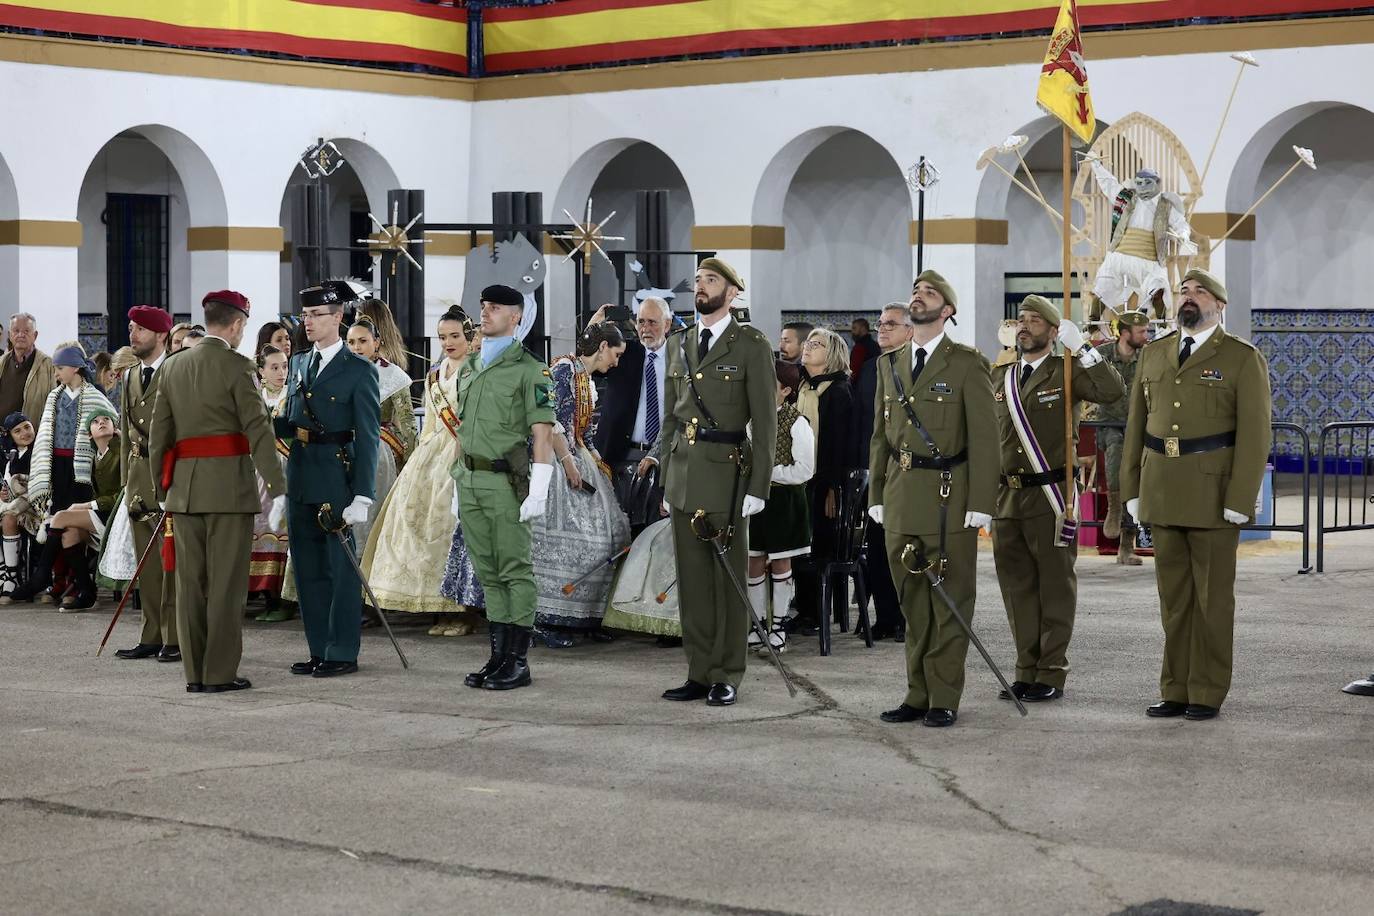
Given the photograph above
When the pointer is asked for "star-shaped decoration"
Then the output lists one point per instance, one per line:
(922, 176)
(587, 237)
(321, 160)
(394, 238)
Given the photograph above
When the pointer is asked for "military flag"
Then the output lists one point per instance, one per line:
(1063, 90)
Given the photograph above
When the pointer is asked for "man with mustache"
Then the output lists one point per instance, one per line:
(932, 485)
(720, 380)
(1034, 550)
(1132, 335)
(1197, 438)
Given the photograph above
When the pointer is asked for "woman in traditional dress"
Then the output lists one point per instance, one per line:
(398, 417)
(583, 527)
(275, 334)
(16, 512)
(267, 568)
(408, 548)
(783, 529)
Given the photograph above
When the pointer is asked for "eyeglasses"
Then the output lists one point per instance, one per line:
(813, 345)
(889, 325)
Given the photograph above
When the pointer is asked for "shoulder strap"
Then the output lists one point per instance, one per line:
(692, 386)
(910, 411)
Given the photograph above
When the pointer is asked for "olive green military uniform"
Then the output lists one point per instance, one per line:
(497, 406)
(952, 398)
(1221, 391)
(702, 466)
(1110, 438)
(1037, 577)
(208, 391)
(157, 593)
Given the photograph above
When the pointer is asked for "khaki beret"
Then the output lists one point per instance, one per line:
(1133, 319)
(717, 266)
(1042, 307)
(1206, 281)
(940, 284)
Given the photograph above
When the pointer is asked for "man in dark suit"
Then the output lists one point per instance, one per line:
(630, 413)
(894, 330)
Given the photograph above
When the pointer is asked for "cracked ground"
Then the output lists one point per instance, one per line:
(404, 792)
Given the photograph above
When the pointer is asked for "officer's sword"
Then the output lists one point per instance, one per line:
(925, 568)
(133, 583)
(701, 527)
(336, 525)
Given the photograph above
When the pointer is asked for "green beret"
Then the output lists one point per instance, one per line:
(1042, 307)
(940, 284)
(1206, 281)
(98, 411)
(1133, 319)
(716, 265)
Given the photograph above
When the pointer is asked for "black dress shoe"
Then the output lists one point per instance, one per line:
(195, 688)
(1039, 693)
(668, 642)
(169, 654)
(307, 667)
(600, 635)
(331, 669)
(142, 650)
(903, 713)
(879, 632)
(940, 718)
(690, 690)
(1196, 712)
(238, 683)
(1018, 688)
(554, 639)
(1166, 709)
(721, 695)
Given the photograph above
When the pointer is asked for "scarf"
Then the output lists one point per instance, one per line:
(88, 399)
(1066, 527)
(809, 397)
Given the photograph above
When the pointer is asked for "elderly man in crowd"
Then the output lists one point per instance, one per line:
(26, 373)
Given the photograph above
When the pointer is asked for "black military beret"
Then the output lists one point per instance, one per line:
(502, 295)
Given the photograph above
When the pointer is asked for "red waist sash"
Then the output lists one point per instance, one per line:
(225, 445)
(64, 452)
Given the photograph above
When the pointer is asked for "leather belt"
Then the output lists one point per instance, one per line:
(1019, 481)
(642, 446)
(313, 437)
(497, 465)
(696, 434)
(1173, 446)
(909, 462)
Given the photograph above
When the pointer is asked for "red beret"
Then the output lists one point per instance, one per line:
(228, 297)
(152, 318)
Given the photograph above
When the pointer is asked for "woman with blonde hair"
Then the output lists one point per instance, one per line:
(392, 346)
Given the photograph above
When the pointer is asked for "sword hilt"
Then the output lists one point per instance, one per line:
(328, 520)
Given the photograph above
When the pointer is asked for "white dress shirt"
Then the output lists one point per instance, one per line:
(717, 330)
(930, 349)
(1199, 338)
(326, 354)
(660, 355)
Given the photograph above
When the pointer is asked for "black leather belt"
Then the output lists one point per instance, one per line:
(642, 446)
(313, 437)
(909, 462)
(697, 434)
(497, 465)
(1173, 446)
(1018, 481)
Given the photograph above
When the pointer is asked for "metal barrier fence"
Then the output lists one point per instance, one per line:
(1303, 527)
(1348, 448)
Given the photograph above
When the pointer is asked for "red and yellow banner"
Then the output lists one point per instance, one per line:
(1063, 87)
(575, 33)
(364, 31)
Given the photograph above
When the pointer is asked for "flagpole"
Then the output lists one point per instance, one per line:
(1070, 453)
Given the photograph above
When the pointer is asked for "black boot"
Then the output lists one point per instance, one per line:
(83, 586)
(500, 641)
(42, 573)
(514, 671)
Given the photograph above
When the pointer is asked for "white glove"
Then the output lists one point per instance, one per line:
(161, 505)
(752, 506)
(276, 516)
(665, 508)
(453, 506)
(356, 513)
(1133, 507)
(1234, 518)
(1089, 357)
(1070, 336)
(876, 513)
(538, 500)
(977, 520)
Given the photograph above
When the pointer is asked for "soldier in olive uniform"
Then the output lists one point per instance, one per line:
(1034, 552)
(1133, 333)
(935, 499)
(504, 400)
(1197, 439)
(157, 592)
(209, 431)
(719, 381)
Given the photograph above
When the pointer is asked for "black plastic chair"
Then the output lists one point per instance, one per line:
(852, 526)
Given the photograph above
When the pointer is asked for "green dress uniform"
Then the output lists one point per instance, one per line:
(157, 594)
(332, 418)
(1037, 577)
(707, 463)
(211, 425)
(1111, 438)
(1197, 440)
(498, 403)
(952, 397)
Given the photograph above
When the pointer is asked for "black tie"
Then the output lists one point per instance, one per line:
(920, 363)
(1186, 352)
(703, 344)
(147, 376)
(313, 369)
(1026, 371)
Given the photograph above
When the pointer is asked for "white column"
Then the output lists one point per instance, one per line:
(257, 275)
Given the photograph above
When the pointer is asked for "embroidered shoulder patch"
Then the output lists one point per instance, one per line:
(542, 397)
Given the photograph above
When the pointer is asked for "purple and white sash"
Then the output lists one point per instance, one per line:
(1067, 527)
